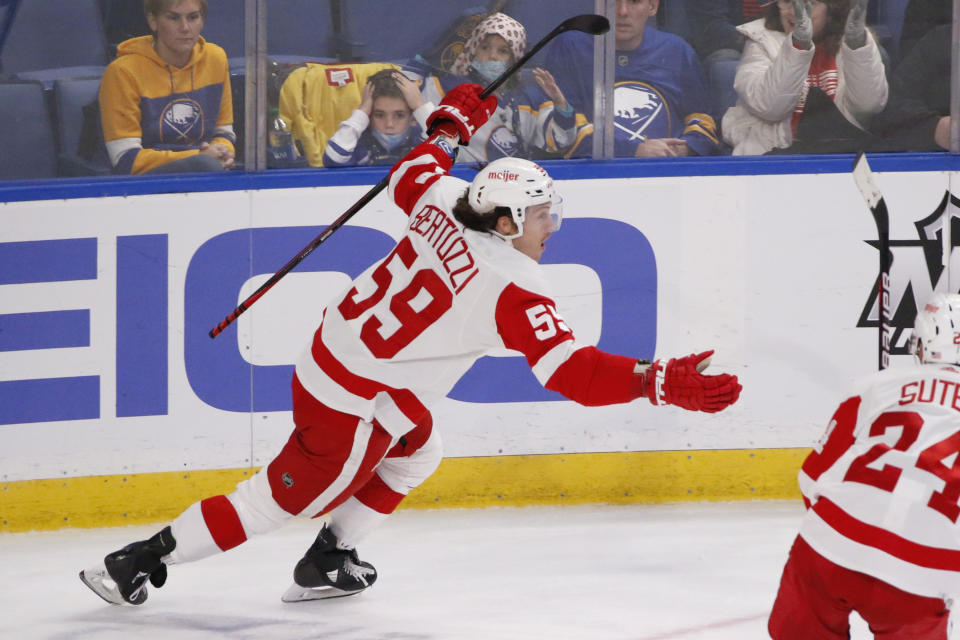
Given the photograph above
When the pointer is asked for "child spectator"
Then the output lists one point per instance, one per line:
(389, 122)
(532, 120)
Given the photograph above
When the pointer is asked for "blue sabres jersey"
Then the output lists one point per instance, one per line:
(659, 90)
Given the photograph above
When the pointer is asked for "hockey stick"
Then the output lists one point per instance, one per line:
(878, 207)
(587, 23)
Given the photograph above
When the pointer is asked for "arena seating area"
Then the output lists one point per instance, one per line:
(52, 54)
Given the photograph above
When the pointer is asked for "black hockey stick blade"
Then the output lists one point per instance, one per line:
(588, 23)
(591, 23)
(863, 177)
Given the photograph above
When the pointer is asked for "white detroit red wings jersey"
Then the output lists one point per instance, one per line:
(884, 482)
(411, 325)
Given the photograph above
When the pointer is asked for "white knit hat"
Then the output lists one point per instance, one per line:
(500, 24)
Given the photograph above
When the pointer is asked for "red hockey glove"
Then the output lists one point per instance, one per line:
(462, 112)
(679, 382)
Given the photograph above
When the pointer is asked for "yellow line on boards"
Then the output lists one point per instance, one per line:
(578, 478)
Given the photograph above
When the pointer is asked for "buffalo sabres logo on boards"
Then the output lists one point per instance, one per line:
(639, 111)
(502, 142)
(917, 272)
(182, 122)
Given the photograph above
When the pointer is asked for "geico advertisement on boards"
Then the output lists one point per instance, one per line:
(106, 365)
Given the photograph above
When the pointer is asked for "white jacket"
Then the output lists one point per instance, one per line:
(772, 79)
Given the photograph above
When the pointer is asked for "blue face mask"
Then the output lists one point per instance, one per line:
(489, 70)
(389, 141)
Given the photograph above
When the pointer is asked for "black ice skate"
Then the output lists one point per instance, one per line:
(123, 575)
(328, 572)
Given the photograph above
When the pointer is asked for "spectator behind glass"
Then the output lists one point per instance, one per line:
(917, 117)
(165, 102)
(660, 103)
(920, 17)
(532, 120)
(798, 46)
(713, 26)
(389, 122)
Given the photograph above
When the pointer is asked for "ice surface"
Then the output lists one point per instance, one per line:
(697, 571)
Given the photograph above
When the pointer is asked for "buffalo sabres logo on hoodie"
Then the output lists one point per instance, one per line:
(502, 142)
(182, 122)
(640, 112)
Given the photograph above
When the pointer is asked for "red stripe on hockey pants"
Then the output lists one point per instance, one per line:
(319, 453)
(223, 522)
(816, 597)
(376, 494)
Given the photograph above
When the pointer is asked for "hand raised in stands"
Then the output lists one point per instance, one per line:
(366, 99)
(546, 81)
(802, 25)
(855, 29)
(410, 91)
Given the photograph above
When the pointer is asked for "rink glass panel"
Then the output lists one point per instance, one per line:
(268, 40)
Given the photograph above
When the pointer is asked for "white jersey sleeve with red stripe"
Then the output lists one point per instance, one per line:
(883, 484)
(529, 323)
(410, 326)
(416, 173)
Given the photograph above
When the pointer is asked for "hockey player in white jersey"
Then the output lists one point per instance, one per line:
(463, 280)
(882, 486)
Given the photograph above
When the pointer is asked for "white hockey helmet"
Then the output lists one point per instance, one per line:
(514, 183)
(936, 331)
